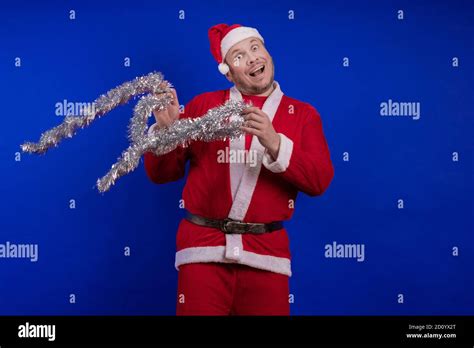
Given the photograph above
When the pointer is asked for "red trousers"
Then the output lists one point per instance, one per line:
(231, 289)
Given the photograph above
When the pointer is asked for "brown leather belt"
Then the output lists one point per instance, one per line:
(230, 226)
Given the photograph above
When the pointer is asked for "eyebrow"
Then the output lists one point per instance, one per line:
(235, 50)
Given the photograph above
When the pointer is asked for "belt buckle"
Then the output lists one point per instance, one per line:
(227, 222)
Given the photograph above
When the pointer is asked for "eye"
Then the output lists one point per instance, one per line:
(254, 48)
(237, 60)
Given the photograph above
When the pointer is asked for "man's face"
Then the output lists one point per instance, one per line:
(251, 67)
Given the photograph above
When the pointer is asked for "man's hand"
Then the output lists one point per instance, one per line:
(258, 123)
(167, 116)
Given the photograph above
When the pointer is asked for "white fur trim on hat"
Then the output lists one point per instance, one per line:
(236, 35)
(223, 68)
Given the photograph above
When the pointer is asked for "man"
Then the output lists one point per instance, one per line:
(233, 252)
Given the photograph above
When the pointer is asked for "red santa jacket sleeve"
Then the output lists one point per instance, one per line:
(304, 162)
(171, 166)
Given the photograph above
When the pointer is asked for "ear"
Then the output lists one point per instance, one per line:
(229, 77)
(229, 74)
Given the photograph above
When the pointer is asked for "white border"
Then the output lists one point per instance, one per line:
(236, 35)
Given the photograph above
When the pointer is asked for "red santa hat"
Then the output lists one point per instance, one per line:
(222, 37)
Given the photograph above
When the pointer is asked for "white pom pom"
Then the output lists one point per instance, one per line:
(223, 68)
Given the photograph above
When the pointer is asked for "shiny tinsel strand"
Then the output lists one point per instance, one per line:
(151, 83)
(218, 123)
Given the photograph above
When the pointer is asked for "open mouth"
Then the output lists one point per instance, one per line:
(258, 71)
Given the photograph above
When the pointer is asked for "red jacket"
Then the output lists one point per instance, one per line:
(262, 190)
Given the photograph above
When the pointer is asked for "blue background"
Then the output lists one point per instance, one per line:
(81, 251)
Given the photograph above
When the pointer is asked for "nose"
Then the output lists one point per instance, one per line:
(252, 59)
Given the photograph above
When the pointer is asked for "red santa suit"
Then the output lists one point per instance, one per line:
(259, 191)
(262, 193)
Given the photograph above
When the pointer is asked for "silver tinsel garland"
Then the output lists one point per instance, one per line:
(218, 123)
